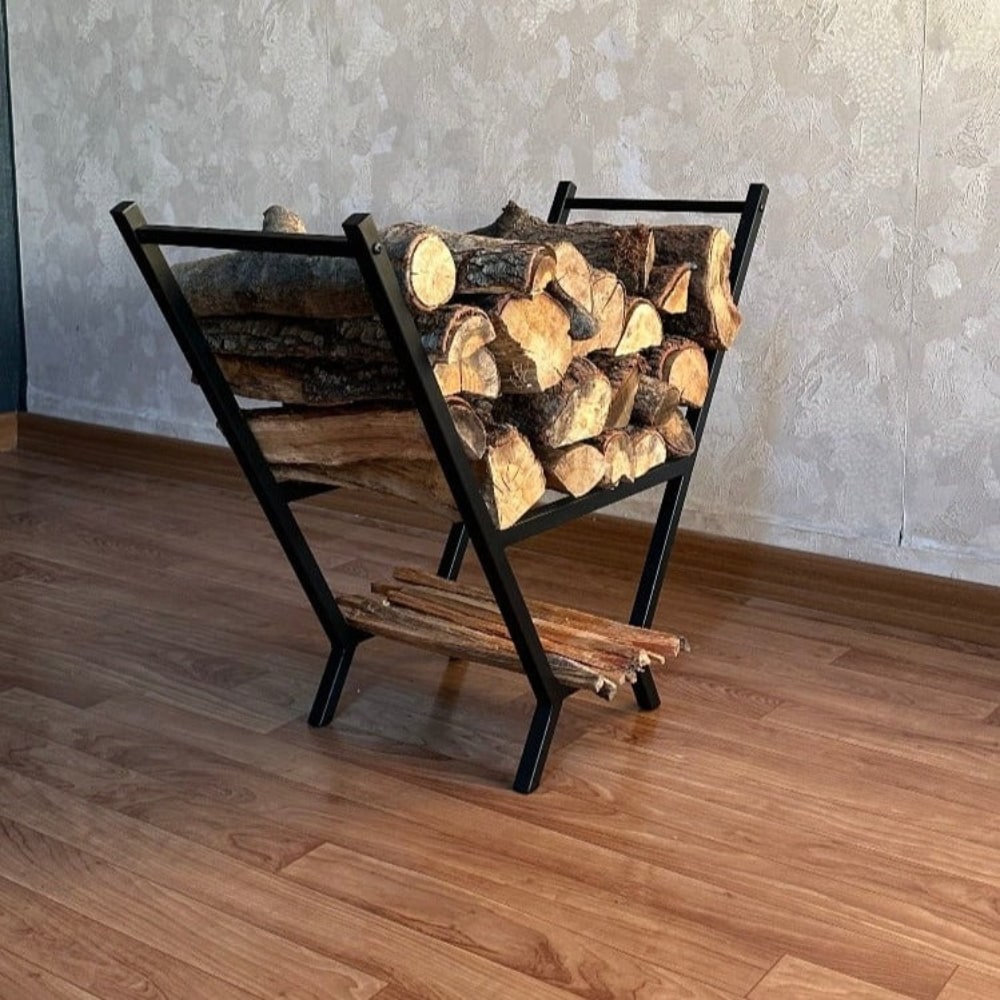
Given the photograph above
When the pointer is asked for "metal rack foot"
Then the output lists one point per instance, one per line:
(331, 685)
(536, 746)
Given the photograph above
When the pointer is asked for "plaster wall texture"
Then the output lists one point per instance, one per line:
(859, 413)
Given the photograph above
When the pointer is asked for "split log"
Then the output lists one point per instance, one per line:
(571, 284)
(488, 266)
(677, 434)
(421, 483)
(532, 346)
(573, 410)
(575, 469)
(616, 446)
(572, 289)
(476, 375)
(340, 437)
(668, 287)
(681, 364)
(712, 318)
(345, 436)
(511, 478)
(628, 251)
(455, 640)
(660, 646)
(648, 450)
(273, 284)
(454, 332)
(469, 426)
(654, 401)
(608, 295)
(643, 327)
(623, 374)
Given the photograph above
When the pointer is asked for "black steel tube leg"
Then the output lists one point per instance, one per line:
(536, 746)
(647, 697)
(332, 684)
(454, 551)
(654, 570)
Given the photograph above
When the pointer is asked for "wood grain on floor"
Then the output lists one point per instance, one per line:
(810, 814)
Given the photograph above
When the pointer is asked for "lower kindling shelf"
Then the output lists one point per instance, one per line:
(585, 651)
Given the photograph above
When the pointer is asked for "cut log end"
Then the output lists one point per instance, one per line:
(431, 272)
(668, 288)
(677, 434)
(681, 364)
(576, 469)
(511, 477)
(532, 347)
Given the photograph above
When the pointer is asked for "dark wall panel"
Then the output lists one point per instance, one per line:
(12, 373)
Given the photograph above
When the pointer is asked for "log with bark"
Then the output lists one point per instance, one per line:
(681, 364)
(274, 284)
(677, 434)
(451, 333)
(654, 401)
(572, 289)
(304, 382)
(573, 410)
(314, 382)
(532, 346)
(571, 284)
(711, 318)
(628, 251)
(608, 297)
(488, 266)
(390, 453)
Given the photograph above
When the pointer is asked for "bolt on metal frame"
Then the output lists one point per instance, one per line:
(361, 243)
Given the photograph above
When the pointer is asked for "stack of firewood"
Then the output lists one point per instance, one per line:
(567, 354)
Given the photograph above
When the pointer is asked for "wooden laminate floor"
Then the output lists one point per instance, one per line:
(814, 812)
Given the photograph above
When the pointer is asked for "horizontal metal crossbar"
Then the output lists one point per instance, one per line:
(560, 511)
(656, 205)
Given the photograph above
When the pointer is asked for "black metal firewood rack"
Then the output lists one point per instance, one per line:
(360, 242)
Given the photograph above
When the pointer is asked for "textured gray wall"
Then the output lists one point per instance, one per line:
(860, 411)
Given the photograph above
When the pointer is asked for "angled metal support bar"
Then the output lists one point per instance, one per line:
(454, 551)
(478, 524)
(272, 496)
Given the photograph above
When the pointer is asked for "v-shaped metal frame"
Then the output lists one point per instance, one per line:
(361, 242)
